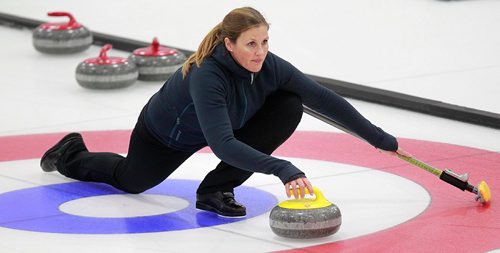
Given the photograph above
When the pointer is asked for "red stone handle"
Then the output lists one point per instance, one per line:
(102, 55)
(72, 20)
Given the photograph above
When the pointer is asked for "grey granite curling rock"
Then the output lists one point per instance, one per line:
(61, 38)
(305, 218)
(157, 63)
(105, 72)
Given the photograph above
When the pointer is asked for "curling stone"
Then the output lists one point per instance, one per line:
(61, 38)
(157, 63)
(305, 218)
(105, 72)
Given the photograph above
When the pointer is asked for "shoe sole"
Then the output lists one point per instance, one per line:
(60, 144)
(203, 207)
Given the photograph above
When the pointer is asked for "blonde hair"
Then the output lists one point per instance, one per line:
(233, 24)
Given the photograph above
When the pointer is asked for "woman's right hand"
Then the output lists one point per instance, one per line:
(298, 187)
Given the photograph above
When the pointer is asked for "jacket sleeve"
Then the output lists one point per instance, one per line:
(208, 94)
(336, 108)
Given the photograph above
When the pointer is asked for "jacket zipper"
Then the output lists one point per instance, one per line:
(245, 100)
(177, 123)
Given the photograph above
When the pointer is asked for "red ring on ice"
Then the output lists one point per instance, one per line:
(452, 222)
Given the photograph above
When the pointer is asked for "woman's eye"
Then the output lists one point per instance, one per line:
(252, 44)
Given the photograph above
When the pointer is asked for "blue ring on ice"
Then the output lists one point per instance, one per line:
(37, 209)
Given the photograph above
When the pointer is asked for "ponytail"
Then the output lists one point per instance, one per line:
(206, 47)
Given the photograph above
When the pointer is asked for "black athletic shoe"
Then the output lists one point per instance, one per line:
(50, 158)
(221, 203)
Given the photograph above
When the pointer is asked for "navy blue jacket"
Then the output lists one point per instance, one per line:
(221, 96)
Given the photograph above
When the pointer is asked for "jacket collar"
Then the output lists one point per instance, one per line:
(223, 57)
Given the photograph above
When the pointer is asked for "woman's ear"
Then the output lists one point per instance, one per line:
(228, 44)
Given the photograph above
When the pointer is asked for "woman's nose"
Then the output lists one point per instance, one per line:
(260, 50)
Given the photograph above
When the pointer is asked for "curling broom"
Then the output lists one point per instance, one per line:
(482, 190)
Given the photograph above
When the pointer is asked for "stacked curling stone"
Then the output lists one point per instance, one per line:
(157, 63)
(61, 38)
(305, 218)
(105, 72)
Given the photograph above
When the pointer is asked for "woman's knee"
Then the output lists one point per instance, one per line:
(137, 184)
(289, 105)
(133, 189)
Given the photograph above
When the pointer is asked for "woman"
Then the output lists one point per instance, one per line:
(232, 95)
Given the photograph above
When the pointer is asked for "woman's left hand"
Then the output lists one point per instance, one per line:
(400, 151)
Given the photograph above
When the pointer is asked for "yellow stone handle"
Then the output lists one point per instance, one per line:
(317, 193)
(307, 203)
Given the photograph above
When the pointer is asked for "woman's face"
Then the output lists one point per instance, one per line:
(250, 48)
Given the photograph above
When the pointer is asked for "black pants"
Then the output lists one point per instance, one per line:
(149, 162)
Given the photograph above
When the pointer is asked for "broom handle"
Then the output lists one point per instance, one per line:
(450, 177)
(459, 181)
(421, 165)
